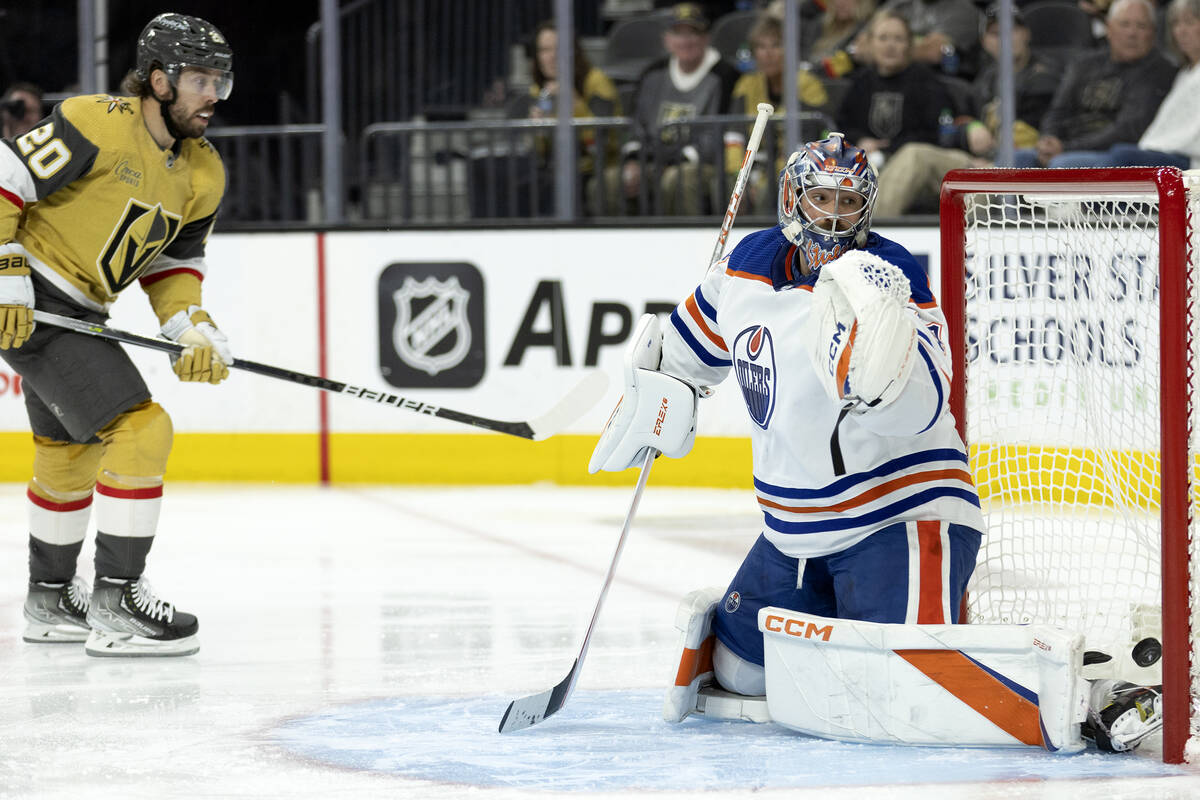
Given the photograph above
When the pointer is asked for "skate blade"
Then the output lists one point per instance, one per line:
(42, 633)
(103, 644)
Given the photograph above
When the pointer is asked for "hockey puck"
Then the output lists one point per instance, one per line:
(1147, 652)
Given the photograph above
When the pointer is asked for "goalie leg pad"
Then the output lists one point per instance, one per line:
(945, 685)
(694, 691)
(693, 620)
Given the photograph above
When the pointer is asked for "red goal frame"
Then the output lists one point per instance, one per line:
(1174, 294)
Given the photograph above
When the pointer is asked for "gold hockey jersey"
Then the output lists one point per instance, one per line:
(96, 204)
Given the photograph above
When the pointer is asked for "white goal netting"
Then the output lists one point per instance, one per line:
(1063, 411)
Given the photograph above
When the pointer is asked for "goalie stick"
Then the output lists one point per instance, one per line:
(765, 110)
(532, 709)
(567, 410)
(526, 711)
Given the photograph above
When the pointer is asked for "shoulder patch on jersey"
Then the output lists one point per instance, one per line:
(120, 105)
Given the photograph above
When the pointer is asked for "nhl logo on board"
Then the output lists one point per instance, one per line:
(431, 325)
(442, 319)
(754, 365)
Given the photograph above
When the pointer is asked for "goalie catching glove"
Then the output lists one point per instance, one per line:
(16, 298)
(206, 355)
(657, 411)
(862, 338)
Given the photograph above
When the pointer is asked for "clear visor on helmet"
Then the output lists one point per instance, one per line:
(832, 204)
(203, 81)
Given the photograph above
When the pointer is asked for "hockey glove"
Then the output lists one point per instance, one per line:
(862, 338)
(206, 356)
(16, 299)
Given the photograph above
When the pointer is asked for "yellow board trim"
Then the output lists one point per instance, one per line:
(413, 458)
(1047, 475)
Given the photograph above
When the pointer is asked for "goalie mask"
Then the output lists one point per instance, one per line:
(171, 42)
(842, 169)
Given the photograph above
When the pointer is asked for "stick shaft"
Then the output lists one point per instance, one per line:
(521, 429)
(643, 476)
(532, 709)
(765, 110)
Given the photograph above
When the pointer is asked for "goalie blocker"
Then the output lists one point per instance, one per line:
(936, 685)
(657, 411)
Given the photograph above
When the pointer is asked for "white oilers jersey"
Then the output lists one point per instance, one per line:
(825, 477)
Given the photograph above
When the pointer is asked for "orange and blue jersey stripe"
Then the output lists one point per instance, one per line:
(867, 499)
(697, 326)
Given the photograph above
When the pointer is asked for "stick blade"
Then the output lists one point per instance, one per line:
(525, 712)
(571, 407)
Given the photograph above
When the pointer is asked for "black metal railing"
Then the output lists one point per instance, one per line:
(452, 172)
(273, 173)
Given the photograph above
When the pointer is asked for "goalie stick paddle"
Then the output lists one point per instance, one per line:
(527, 711)
(585, 394)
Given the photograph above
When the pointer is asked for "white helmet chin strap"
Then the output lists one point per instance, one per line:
(793, 230)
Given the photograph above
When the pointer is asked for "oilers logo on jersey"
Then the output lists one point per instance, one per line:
(754, 364)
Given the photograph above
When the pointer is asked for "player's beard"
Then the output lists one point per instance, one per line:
(186, 122)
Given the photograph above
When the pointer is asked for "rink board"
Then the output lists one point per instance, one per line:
(496, 323)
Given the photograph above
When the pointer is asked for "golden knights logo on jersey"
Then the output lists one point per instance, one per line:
(142, 232)
(431, 325)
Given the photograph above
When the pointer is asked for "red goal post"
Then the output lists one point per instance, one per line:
(1069, 302)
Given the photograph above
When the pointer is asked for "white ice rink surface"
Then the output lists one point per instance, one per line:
(362, 643)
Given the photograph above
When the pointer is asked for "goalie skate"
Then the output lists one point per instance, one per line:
(128, 620)
(1122, 715)
(57, 612)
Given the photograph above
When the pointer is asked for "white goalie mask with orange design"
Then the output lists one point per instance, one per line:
(828, 165)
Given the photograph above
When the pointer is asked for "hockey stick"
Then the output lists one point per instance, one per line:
(567, 410)
(765, 110)
(526, 711)
(532, 709)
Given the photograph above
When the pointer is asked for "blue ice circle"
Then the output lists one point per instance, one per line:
(616, 740)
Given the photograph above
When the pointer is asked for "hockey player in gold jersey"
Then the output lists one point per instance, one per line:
(105, 192)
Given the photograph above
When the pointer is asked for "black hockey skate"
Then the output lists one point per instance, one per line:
(1122, 714)
(57, 612)
(128, 620)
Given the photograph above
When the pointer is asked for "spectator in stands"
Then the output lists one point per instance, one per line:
(894, 101)
(827, 42)
(693, 81)
(1173, 138)
(945, 34)
(912, 179)
(765, 85)
(21, 109)
(1105, 98)
(593, 95)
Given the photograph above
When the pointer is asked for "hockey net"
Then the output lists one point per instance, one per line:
(1070, 298)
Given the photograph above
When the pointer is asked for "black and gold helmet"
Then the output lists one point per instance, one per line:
(171, 42)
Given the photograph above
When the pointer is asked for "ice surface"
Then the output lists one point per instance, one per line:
(365, 642)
